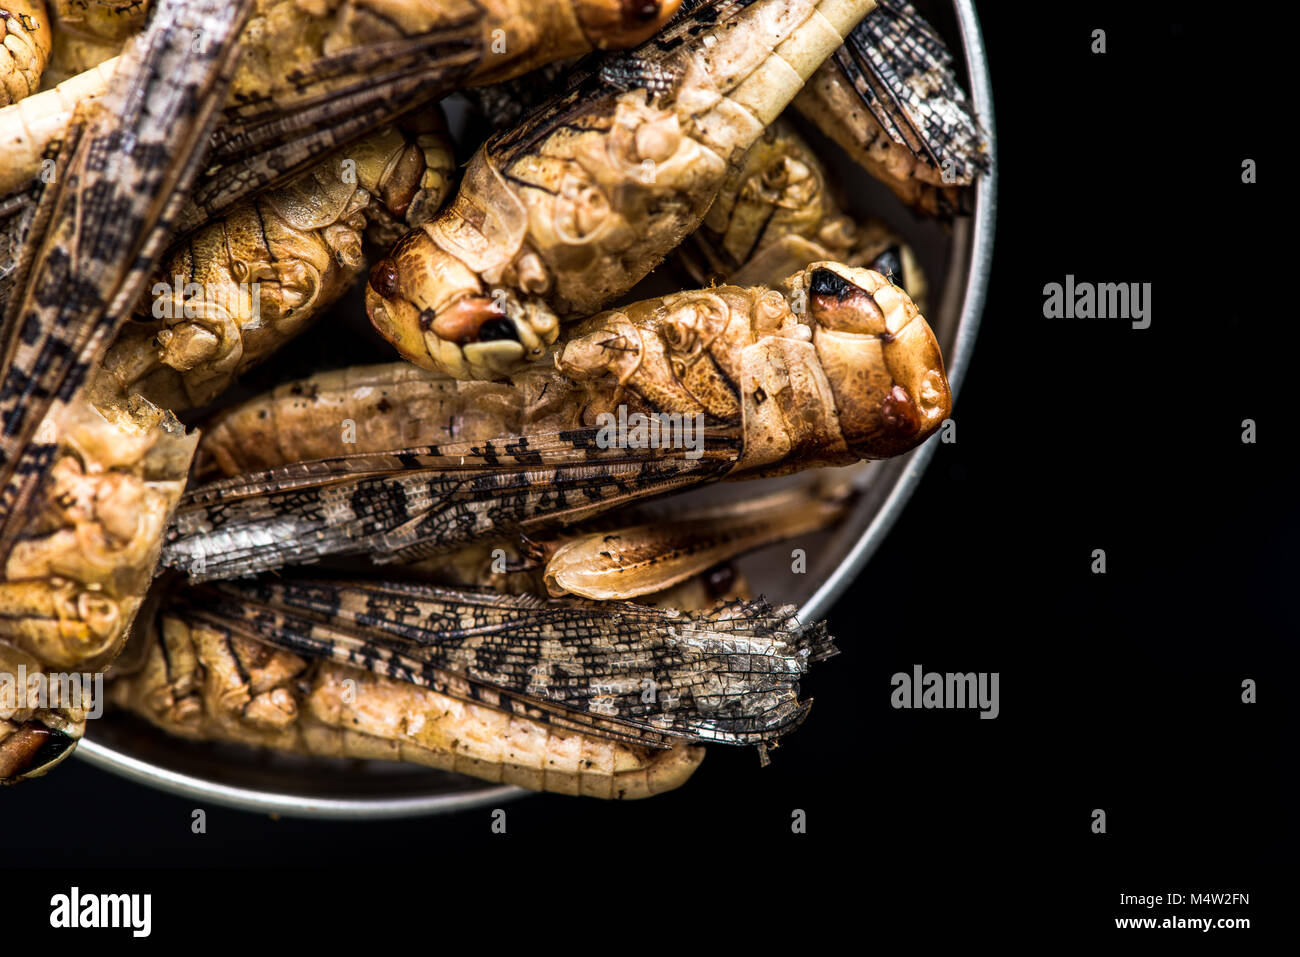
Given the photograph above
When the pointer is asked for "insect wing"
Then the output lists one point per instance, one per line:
(601, 75)
(102, 224)
(729, 675)
(891, 55)
(399, 506)
(335, 101)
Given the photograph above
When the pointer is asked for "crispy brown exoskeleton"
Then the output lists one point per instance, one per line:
(87, 493)
(569, 210)
(373, 408)
(890, 98)
(229, 294)
(201, 681)
(314, 77)
(101, 224)
(88, 32)
(78, 574)
(560, 696)
(25, 39)
(743, 382)
(777, 212)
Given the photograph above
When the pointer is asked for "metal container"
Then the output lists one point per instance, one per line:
(253, 780)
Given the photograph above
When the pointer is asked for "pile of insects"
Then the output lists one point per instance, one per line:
(456, 557)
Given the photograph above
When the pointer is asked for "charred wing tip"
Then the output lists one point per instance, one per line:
(819, 642)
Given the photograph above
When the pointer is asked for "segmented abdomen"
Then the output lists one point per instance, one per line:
(202, 682)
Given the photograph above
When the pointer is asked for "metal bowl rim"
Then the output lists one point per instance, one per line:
(981, 256)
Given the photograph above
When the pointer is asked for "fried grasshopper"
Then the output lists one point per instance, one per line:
(204, 675)
(79, 571)
(777, 212)
(229, 294)
(573, 207)
(342, 694)
(888, 95)
(837, 367)
(891, 99)
(369, 409)
(102, 222)
(314, 77)
(509, 36)
(25, 39)
(86, 493)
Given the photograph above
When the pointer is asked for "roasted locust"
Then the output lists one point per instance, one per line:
(189, 184)
(837, 367)
(570, 209)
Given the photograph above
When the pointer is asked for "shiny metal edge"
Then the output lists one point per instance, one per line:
(977, 282)
(288, 804)
(981, 258)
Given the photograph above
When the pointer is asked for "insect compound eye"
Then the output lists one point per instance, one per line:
(383, 278)
(890, 265)
(826, 284)
(719, 581)
(637, 13)
(841, 306)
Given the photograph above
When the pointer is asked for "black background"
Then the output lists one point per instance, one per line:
(1119, 691)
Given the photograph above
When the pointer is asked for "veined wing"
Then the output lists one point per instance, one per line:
(608, 74)
(343, 96)
(621, 670)
(335, 100)
(122, 172)
(403, 505)
(902, 70)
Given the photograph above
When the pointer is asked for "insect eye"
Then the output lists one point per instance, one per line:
(383, 278)
(637, 12)
(890, 265)
(841, 306)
